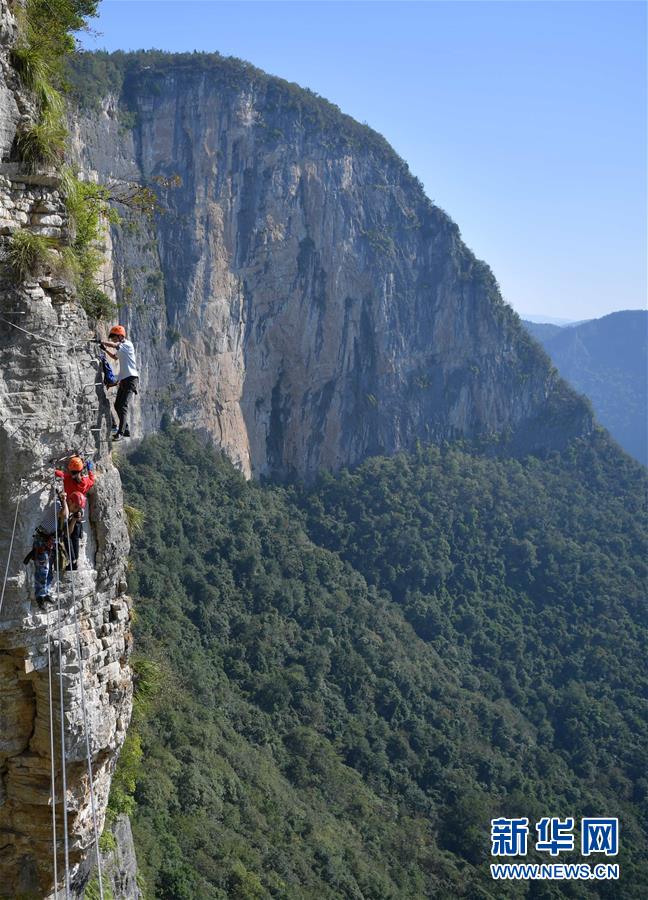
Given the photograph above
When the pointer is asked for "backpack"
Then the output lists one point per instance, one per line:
(109, 377)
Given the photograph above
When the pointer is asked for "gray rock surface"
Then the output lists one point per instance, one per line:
(301, 301)
(120, 864)
(50, 407)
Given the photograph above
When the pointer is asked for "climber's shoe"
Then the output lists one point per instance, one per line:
(126, 432)
(116, 435)
(43, 599)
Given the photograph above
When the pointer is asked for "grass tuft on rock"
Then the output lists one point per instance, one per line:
(43, 142)
(134, 520)
(29, 254)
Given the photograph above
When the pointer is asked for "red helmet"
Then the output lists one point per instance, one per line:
(119, 330)
(78, 499)
(75, 464)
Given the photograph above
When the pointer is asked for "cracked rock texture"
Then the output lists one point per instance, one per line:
(51, 407)
(301, 301)
(120, 864)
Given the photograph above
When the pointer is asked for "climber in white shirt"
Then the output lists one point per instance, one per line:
(128, 376)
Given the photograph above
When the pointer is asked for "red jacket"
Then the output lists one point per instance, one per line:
(70, 486)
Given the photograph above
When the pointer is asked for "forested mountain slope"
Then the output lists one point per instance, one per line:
(607, 360)
(357, 677)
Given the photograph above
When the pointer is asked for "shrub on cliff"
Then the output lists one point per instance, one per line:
(30, 254)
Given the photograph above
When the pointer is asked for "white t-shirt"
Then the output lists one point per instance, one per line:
(127, 364)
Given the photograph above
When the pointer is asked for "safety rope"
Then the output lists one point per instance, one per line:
(82, 404)
(60, 662)
(93, 805)
(39, 337)
(11, 543)
(51, 731)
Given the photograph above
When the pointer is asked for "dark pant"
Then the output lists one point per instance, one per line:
(126, 387)
(44, 562)
(74, 545)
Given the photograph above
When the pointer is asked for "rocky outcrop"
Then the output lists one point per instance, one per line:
(51, 406)
(120, 863)
(301, 301)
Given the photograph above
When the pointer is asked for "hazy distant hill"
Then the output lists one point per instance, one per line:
(606, 360)
(543, 331)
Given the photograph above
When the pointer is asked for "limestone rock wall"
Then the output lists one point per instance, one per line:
(50, 407)
(120, 862)
(301, 301)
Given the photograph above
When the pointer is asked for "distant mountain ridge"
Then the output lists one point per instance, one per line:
(607, 360)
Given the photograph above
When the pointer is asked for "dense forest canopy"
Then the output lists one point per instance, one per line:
(358, 676)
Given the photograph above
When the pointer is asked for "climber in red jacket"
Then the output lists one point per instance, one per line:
(74, 478)
(76, 482)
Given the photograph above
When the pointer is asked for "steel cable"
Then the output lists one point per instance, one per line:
(11, 543)
(51, 731)
(85, 717)
(60, 661)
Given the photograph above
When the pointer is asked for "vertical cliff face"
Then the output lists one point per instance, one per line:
(302, 301)
(51, 406)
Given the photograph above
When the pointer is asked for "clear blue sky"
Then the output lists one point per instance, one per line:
(525, 121)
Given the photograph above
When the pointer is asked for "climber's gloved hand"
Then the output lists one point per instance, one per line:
(58, 473)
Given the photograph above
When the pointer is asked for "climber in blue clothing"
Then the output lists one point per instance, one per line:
(60, 517)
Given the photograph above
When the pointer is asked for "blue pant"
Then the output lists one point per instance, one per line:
(44, 562)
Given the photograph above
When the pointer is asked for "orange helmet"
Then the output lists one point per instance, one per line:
(75, 464)
(118, 329)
